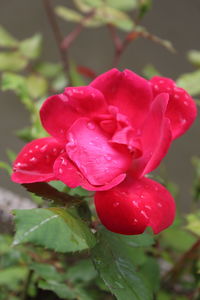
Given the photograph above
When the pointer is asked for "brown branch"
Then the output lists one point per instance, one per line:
(70, 38)
(186, 258)
(120, 46)
(58, 36)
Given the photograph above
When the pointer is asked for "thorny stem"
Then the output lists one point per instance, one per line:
(120, 46)
(179, 267)
(69, 39)
(58, 36)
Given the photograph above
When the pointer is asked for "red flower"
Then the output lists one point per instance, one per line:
(106, 137)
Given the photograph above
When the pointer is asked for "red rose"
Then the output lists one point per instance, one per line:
(106, 137)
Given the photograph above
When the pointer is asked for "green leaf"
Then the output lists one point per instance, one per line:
(60, 289)
(53, 228)
(150, 269)
(150, 71)
(122, 5)
(17, 84)
(193, 221)
(68, 14)
(177, 238)
(37, 86)
(31, 47)
(12, 275)
(60, 82)
(190, 82)
(46, 271)
(11, 155)
(6, 39)
(5, 166)
(144, 7)
(83, 271)
(109, 15)
(194, 57)
(113, 260)
(76, 78)
(49, 70)
(86, 6)
(12, 61)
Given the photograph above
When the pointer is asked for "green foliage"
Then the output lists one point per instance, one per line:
(193, 223)
(40, 226)
(6, 39)
(190, 82)
(194, 58)
(113, 259)
(12, 61)
(31, 47)
(103, 14)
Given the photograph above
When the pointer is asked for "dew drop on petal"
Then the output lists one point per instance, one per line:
(43, 148)
(135, 203)
(33, 159)
(60, 171)
(144, 214)
(159, 204)
(90, 125)
(115, 204)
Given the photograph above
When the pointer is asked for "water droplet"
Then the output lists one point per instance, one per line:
(156, 188)
(185, 103)
(90, 125)
(142, 196)
(176, 96)
(161, 81)
(43, 148)
(159, 204)
(37, 146)
(30, 151)
(115, 204)
(156, 87)
(144, 214)
(135, 203)
(54, 150)
(183, 121)
(147, 207)
(25, 155)
(60, 171)
(135, 220)
(33, 159)
(64, 162)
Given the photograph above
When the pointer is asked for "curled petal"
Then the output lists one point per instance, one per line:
(181, 109)
(60, 111)
(35, 161)
(67, 172)
(127, 91)
(156, 138)
(134, 205)
(97, 159)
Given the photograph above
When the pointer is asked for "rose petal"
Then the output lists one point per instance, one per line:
(67, 172)
(60, 111)
(135, 204)
(181, 108)
(93, 155)
(128, 91)
(155, 138)
(35, 161)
